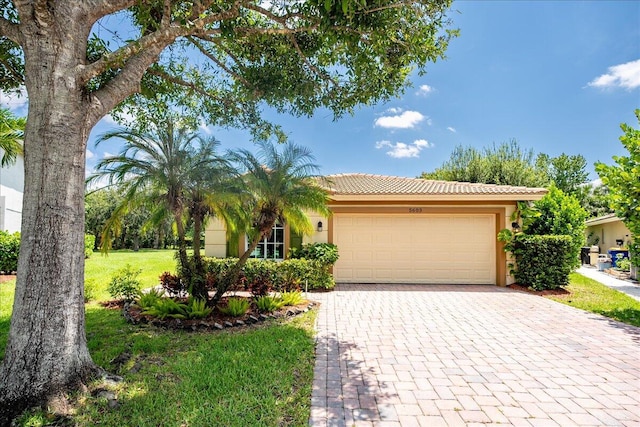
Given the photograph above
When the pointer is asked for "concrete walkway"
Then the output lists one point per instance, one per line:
(407, 355)
(629, 288)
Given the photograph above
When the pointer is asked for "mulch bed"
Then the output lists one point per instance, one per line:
(215, 321)
(521, 288)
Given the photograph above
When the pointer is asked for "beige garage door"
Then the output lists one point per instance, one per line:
(448, 249)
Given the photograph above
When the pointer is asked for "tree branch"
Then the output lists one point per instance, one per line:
(219, 63)
(16, 75)
(11, 31)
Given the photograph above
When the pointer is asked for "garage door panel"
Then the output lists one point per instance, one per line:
(415, 249)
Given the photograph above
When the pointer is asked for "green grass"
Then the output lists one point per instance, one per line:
(590, 295)
(255, 377)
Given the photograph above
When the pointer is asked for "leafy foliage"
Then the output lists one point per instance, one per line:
(543, 262)
(149, 299)
(197, 308)
(90, 289)
(623, 181)
(125, 284)
(172, 284)
(235, 307)
(560, 214)
(268, 303)
(9, 251)
(291, 298)
(326, 253)
(167, 307)
(89, 242)
(11, 132)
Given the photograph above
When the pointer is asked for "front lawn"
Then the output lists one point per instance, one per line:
(254, 377)
(590, 295)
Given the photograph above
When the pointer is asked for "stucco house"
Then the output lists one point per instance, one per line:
(607, 232)
(403, 230)
(11, 189)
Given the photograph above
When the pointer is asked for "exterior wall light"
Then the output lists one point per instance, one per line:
(515, 226)
(319, 226)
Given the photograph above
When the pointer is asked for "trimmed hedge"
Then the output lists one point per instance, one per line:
(543, 262)
(9, 250)
(285, 275)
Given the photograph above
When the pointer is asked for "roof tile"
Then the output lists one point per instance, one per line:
(369, 184)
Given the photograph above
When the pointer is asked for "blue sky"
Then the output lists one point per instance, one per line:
(558, 76)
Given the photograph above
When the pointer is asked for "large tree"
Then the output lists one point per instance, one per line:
(623, 181)
(293, 56)
(503, 164)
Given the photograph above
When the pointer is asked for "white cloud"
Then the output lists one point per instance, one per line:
(625, 75)
(406, 120)
(106, 155)
(394, 110)
(90, 154)
(452, 129)
(424, 90)
(205, 128)
(126, 118)
(14, 101)
(400, 150)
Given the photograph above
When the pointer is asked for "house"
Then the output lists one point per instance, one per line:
(403, 230)
(607, 232)
(11, 189)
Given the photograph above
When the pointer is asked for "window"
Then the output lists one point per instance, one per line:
(271, 247)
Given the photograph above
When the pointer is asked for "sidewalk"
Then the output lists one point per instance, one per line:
(628, 287)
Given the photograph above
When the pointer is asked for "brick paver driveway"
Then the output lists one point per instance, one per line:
(407, 355)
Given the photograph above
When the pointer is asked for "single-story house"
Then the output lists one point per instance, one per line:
(607, 232)
(11, 189)
(403, 230)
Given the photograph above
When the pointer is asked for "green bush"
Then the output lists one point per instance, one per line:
(90, 289)
(326, 253)
(542, 262)
(291, 298)
(197, 309)
(623, 264)
(166, 307)
(268, 304)
(89, 242)
(288, 275)
(149, 299)
(235, 307)
(125, 284)
(9, 250)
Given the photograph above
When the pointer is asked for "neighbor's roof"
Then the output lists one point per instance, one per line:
(359, 184)
(602, 219)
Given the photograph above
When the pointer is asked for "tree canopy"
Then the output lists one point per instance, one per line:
(220, 62)
(623, 182)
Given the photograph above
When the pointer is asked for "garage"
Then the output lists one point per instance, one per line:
(416, 248)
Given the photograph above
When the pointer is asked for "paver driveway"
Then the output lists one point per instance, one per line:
(408, 355)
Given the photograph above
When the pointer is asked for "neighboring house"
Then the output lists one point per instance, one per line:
(403, 230)
(607, 232)
(11, 189)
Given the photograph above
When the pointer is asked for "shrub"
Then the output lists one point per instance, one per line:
(90, 290)
(172, 284)
(287, 275)
(235, 307)
(623, 264)
(89, 242)
(125, 284)
(149, 299)
(260, 285)
(291, 298)
(197, 308)
(9, 250)
(167, 307)
(268, 304)
(326, 253)
(543, 262)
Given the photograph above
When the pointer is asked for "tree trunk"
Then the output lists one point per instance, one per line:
(47, 353)
(198, 283)
(232, 276)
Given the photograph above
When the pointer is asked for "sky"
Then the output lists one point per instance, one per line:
(557, 76)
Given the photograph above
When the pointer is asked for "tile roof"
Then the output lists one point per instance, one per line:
(368, 184)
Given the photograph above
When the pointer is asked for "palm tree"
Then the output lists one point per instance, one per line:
(163, 169)
(278, 186)
(11, 136)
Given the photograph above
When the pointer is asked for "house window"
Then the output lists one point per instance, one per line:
(271, 247)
